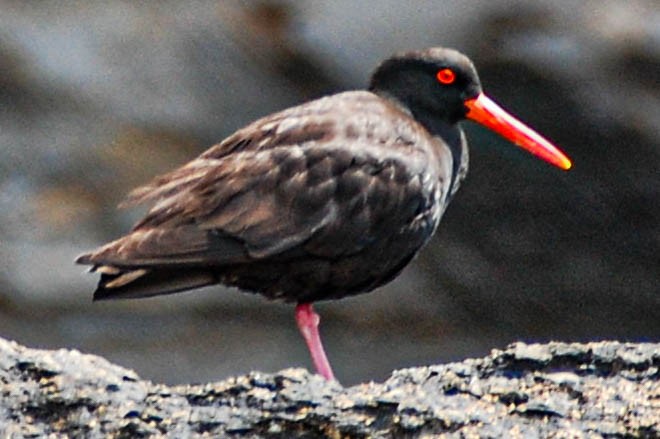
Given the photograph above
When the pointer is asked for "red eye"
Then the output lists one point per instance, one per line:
(446, 76)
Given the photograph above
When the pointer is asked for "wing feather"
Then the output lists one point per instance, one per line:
(289, 180)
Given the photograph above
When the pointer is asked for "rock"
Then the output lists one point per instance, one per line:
(539, 390)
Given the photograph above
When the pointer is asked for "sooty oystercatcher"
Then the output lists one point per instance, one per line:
(331, 198)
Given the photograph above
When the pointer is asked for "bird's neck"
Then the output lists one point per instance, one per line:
(451, 135)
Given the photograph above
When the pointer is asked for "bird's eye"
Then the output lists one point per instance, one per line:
(446, 76)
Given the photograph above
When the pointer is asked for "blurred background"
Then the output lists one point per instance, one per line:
(97, 97)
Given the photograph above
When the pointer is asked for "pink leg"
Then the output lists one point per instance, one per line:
(308, 324)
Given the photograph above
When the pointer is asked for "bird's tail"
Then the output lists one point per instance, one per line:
(118, 283)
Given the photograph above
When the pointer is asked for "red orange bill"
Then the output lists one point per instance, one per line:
(486, 112)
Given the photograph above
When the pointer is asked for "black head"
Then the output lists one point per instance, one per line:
(440, 87)
(434, 82)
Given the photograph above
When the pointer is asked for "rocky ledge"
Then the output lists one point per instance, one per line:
(604, 389)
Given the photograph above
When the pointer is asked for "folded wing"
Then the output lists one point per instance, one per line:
(281, 185)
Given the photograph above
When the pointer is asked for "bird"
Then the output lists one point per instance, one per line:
(327, 199)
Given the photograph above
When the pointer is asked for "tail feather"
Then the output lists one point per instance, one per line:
(138, 283)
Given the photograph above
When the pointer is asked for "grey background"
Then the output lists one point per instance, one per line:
(98, 97)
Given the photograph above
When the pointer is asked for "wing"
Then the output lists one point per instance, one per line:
(270, 188)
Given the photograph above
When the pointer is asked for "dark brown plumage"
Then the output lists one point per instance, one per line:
(327, 199)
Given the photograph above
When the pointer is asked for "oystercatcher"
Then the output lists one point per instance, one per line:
(327, 199)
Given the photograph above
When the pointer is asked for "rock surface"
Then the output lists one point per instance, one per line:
(604, 389)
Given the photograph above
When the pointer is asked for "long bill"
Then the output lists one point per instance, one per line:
(486, 112)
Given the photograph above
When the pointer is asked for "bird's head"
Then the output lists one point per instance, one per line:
(443, 84)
